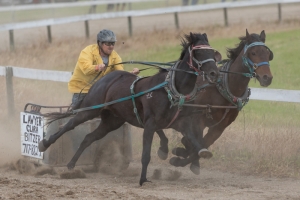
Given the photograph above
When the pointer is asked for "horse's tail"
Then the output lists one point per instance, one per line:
(51, 117)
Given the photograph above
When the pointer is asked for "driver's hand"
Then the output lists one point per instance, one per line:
(100, 67)
(135, 71)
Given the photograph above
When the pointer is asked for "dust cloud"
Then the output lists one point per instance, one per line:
(10, 141)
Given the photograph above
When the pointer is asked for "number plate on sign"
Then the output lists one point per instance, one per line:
(32, 132)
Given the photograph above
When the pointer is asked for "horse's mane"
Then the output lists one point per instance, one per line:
(233, 53)
(187, 41)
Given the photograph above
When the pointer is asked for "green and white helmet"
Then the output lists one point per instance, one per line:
(106, 36)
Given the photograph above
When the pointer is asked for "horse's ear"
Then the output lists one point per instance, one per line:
(262, 36)
(271, 55)
(192, 37)
(218, 56)
(247, 36)
(205, 37)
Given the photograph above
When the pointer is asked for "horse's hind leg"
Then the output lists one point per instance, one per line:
(72, 123)
(146, 155)
(212, 135)
(108, 123)
(183, 152)
(163, 149)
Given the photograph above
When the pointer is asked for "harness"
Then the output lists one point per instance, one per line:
(169, 85)
(222, 85)
(175, 98)
(133, 101)
(223, 88)
(173, 95)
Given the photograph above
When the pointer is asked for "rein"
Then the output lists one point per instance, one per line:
(120, 100)
(169, 84)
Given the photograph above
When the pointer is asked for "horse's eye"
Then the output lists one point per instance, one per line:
(253, 53)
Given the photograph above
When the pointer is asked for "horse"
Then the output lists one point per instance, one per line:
(223, 101)
(152, 109)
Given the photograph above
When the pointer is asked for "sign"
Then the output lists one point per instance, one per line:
(32, 132)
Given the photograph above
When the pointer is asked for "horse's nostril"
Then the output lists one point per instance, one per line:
(213, 74)
(265, 77)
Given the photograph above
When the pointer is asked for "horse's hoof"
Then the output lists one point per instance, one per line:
(161, 154)
(175, 161)
(204, 153)
(142, 181)
(195, 169)
(181, 152)
(71, 165)
(41, 146)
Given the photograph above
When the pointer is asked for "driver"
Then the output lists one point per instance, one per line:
(93, 63)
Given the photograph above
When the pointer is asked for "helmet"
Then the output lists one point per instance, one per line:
(106, 36)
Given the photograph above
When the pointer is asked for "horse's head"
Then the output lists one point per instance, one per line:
(257, 56)
(200, 56)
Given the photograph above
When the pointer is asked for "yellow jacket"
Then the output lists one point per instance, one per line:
(84, 72)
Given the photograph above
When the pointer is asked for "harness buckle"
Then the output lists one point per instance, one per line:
(203, 75)
(208, 112)
(255, 66)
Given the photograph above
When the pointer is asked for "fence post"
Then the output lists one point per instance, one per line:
(225, 17)
(176, 20)
(11, 40)
(87, 30)
(279, 12)
(10, 91)
(130, 26)
(49, 34)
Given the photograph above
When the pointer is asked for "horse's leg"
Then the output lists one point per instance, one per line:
(194, 142)
(146, 154)
(107, 124)
(213, 134)
(72, 123)
(195, 165)
(163, 149)
(185, 152)
(182, 152)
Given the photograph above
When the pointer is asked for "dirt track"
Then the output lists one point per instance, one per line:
(208, 185)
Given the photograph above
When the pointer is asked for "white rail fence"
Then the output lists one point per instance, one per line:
(129, 14)
(67, 4)
(61, 76)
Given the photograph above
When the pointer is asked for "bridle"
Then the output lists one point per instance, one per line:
(251, 65)
(199, 63)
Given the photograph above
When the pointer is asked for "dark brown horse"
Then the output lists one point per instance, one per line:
(153, 111)
(249, 59)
